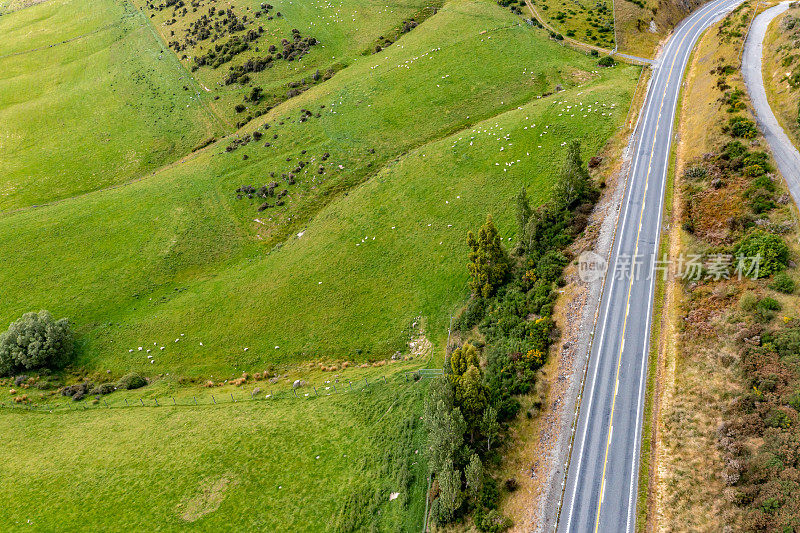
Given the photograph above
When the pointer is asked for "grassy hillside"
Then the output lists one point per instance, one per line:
(341, 30)
(591, 23)
(277, 464)
(782, 71)
(178, 254)
(88, 101)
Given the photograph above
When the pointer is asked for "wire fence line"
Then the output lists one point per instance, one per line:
(307, 391)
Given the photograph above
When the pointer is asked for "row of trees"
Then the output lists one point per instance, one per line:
(508, 323)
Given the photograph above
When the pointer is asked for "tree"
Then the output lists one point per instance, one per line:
(450, 497)
(488, 262)
(474, 474)
(461, 359)
(490, 427)
(471, 398)
(445, 430)
(36, 341)
(523, 212)
(573, 182)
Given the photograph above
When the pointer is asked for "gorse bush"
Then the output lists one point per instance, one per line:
(742, 127)
(606, 61)
(771, 251)
(36, 341)
(131, 381)
(782, 282)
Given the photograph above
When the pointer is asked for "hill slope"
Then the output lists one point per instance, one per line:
(88, 99)
(178, 254)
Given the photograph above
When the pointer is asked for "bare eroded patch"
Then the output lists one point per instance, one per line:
(207, 500)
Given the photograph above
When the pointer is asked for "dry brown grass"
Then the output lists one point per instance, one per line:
(783, 99)
(635, 33)
(696, 377)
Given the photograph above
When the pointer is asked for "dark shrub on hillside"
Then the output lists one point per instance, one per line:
(131, 381)
(782, 283)
(103, 388)
(742, 127)
(36, 341)
(606, 61)
(770, 304)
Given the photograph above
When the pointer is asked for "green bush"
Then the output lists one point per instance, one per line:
(36, 341)
(494, 522)
(131, 381)
(770, 304)
(742, 127)
(772, 251)
(748, 302)
(782, 282)
(606, 61)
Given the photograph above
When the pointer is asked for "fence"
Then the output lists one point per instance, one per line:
(307, 391)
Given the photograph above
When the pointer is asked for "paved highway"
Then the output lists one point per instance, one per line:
(601, 484)
(783, 150)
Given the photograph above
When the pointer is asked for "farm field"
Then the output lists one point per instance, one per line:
(302, 464)
(782, 71)
(212, 39)
(308, 218)
(178, 254)
(588, 22)
(88, 99)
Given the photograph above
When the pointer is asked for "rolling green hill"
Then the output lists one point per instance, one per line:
(178, 254)
(331, 228)
(278, 464)
(89, 99)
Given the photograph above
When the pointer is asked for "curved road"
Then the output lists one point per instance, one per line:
(783, 150)
(601, 483)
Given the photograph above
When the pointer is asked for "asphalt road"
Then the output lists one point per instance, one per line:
(783, 150)
(601, 484)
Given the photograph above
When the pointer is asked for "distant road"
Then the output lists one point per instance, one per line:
(786, 155)
(601, 485)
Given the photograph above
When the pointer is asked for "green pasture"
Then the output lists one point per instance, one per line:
(88, 99)
(178, 254)
(277, 464)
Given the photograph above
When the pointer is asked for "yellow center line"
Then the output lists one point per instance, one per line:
(630, 285)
